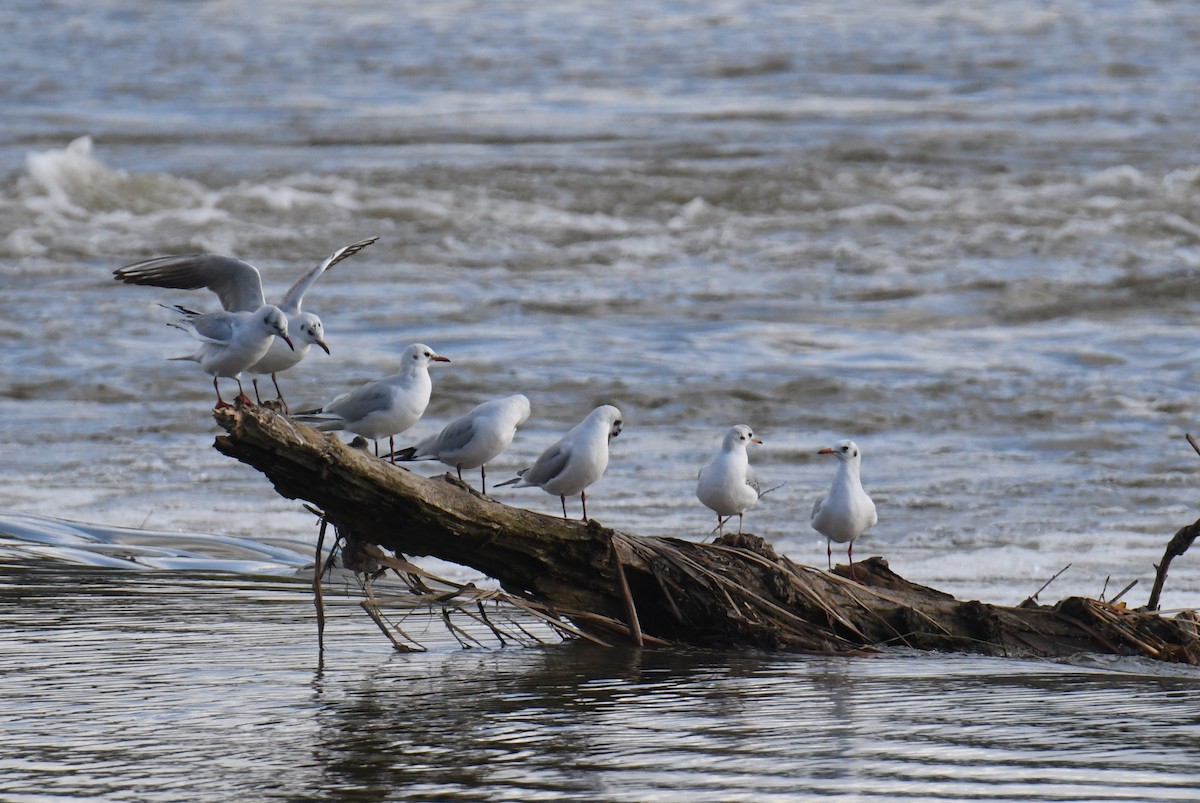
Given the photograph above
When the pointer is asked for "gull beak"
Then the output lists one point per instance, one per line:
(324, 346)
(756, 439)
(287, 340)
(826, 450)
(440, 358)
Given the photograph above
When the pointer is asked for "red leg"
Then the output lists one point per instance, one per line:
(221, 403)
(242, 397)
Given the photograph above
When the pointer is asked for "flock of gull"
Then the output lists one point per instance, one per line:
(249, 335)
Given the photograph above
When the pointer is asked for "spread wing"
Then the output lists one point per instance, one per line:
(295, 295)
(236, 283)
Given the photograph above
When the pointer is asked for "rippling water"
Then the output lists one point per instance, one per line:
(206, 688)
(964, 235)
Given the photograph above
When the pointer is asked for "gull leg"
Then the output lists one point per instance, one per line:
(278, 393)
(254, 381)
(850, 553)
(739, 524)
(720, 525)
(583, 501)
(221, 403)
(829, 553)
(392, 446)
(242, 397)
(563, 499)
(376, 440)
(459, 470)
(483, 479)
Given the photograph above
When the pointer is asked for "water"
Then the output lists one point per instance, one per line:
(965, 237)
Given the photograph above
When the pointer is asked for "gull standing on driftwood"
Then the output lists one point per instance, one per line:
(383, 408)
(239, 287)
(727, 484)
(846, 512)
(575, 462)
(231, 341)
(471, 440)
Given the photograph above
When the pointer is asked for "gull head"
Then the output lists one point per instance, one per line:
(275, 322)
(309, 330)
(844, 450)
(418, 355)
(613, 417)
(742, 434)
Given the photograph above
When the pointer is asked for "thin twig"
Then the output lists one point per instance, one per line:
(1122, 592)
(635, 627)
(318, 595)
(1032, 599)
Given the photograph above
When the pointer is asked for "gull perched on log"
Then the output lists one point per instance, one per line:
(239, 287)
(846, 512)
(231, 341)
(728, 484)
(383, 408)
(576, 461)
(472, 440)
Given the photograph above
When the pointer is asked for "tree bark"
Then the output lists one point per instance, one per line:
(735, 592)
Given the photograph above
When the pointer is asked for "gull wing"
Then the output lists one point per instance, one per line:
(238, 284)
(295, 294)
(361, 402)
(549, 465)
(752, 480)
(215, 327)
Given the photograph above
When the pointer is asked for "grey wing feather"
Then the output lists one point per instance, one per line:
(752, 480)
(215, 326)
(360, 403)
(236, 283)
(548, 466)
(817, 505)
(295, 294)
(454, 437)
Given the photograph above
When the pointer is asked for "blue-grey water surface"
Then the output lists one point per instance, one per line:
(964, 234)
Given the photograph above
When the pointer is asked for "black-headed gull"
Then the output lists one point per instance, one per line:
(239, 287)
(472, 440)
(727, 484)
(383, 408)
(846, 512)
(230, 342)
(575, 462)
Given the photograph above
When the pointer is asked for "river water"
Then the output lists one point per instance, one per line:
(963, 234)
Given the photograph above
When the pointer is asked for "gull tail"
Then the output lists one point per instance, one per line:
(520, 476)
(404, 455)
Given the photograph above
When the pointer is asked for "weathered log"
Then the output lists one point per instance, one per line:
(736, 592)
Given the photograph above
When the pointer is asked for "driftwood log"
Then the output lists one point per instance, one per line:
(735, 592)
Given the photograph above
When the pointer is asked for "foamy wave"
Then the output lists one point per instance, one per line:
(70, 202)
